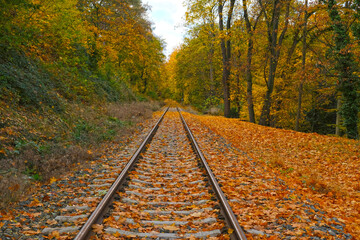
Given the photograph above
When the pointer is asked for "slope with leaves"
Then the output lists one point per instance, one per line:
(39, 145)
(65, 67)
(64, 194)
(323, 169)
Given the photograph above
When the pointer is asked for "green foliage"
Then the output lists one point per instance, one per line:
(212, 101)
(348, 84)
(32, 172)
(28, 82)
(234, 113)
(111, 128)
(287, 171)
(198, 70)
(110, 88)
(55, 49)
(8, 11)
(85, 132)
(356, 26)
(321, 120)
(153, 95)
(82, 130)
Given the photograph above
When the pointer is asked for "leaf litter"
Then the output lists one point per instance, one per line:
(267, 175)
(281, 185)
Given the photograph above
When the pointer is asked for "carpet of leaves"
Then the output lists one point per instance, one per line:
(282, 183)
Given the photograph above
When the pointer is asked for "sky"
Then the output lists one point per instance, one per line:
(167, 16)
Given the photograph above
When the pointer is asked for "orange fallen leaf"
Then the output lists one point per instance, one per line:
(171, 227)
(98, 228)
(55, 234)
(31, 232)
(117, 234)
(51, 222)
(52, 180)
(196, 214)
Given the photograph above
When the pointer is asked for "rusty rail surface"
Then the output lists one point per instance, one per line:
(226, 210)
(97, 215)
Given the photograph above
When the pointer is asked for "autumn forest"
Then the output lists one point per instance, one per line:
(282, 63)
(269, 88)
(286, 64)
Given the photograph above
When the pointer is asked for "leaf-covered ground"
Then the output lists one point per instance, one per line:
(274, 179)
(296, 184)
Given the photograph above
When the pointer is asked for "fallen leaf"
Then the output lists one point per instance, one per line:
(55, 234)
(30, 232)
(196, 214)
(171, 227)
(98, 228)
(51, 222)
(52, 180)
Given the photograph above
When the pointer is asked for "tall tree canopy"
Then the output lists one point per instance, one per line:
(281, 63)
(112, 38)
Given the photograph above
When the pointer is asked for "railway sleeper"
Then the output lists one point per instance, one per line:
(200, 234)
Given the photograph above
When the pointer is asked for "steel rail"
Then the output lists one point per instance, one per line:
(98, 213)
(229, 215)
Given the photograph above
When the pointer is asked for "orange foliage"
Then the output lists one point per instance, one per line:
(324, 169)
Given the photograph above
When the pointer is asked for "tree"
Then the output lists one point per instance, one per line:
(226, 51)
(260, 40)
(200, 56)
(250, 28)
(347, 82)
(301, 85)
(274, 43)
(193, 72)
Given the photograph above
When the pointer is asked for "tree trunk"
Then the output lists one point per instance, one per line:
(226, 54)
(338, 117)
(211, 73)
(265, 112)
(298, 112)
(236, 60)
(248, 73)
(237, 99)
(225, 79)
(211, 61)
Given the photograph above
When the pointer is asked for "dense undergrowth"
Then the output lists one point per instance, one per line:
(53, 118)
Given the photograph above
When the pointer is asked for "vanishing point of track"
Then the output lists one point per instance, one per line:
(166, 191)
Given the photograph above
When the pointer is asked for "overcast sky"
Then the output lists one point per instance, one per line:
(167, 16)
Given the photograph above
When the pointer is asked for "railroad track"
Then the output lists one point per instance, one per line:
(166, 191)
